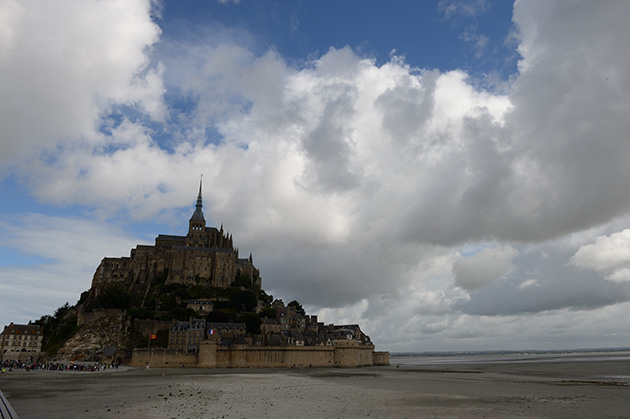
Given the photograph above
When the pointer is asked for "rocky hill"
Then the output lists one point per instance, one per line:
(90, 340)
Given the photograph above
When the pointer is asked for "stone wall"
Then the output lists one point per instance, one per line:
(381, 358)
(163, 358)
(85, 317)
(344, 354)
(275, 357)
(20, 356)
(348, 353)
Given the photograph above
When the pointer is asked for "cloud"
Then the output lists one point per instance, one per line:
(358, 186)
(482, 268)
(462, 8)
(540, 280)
(620, 275)
(529, 283)
(567, 121)
(69, 250)
(608, 254)
(67, 65)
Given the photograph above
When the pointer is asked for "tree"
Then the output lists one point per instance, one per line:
(181, 313)
(61, 312)
(244, 301)
(268, 312)
(298, 307)
(252, 322)
(242, 280)
(264, 297)
(112, 297)
(216, 317)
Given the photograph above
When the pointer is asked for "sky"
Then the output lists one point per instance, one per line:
(452, 175)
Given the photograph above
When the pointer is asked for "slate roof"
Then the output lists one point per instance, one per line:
(22, 329)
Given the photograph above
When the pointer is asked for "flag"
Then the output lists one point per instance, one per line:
(153, 337)
(211, 331)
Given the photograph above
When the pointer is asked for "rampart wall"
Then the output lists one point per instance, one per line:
(344, 354)
(381, 358)
(20, 356)
(162, 358)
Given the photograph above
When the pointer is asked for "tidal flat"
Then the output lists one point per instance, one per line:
(540, 388)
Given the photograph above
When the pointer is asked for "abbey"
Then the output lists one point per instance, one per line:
(205, 256)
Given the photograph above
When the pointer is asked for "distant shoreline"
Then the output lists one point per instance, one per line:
(509, 357)
(510, 352)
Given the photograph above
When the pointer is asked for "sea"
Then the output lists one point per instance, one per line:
(488, 357)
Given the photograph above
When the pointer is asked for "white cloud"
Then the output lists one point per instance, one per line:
(608, 255)
(70, 249)
(620, 275)
(462, 8)
(529, 283)
(66, 64)
(608, 252)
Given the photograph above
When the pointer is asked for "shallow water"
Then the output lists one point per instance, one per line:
(454, 359)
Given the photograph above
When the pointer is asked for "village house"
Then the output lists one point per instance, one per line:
(18, 341)
(270, 326)
(202, 306)
(186, 336)
(229, 333)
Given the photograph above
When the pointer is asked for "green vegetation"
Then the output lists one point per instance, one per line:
(57, 329)
(242, 280)
(112, 297)
(242, 301)
(264, 297)
(268, 312)
(165, 302)
(140, 313)
(252, 322)
(298, 307)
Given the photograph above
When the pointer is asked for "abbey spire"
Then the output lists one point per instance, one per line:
(197, 236)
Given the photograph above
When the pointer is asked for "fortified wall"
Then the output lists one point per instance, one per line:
(343, 354)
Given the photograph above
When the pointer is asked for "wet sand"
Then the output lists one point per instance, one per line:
(503, 390)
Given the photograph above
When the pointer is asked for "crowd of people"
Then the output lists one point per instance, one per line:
(10, 365)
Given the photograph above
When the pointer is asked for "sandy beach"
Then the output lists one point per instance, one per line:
(539, 389)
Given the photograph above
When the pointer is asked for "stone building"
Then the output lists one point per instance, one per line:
(18, 340)
(227, 330)
(205, 256)
(187, 336)
(201, 305)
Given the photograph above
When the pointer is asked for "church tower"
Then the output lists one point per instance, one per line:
(197, 236)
